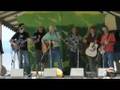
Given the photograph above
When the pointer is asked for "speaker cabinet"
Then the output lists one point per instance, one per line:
(77, 72)
(17, 73)
(52, 72)
(102, 72)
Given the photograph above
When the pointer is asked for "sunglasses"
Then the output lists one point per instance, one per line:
(21, 28)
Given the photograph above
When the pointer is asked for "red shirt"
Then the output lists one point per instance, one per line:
(110, 38)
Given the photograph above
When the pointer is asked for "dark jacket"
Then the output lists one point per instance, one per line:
(1, 47)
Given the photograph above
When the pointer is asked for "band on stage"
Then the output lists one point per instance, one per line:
(97, 48)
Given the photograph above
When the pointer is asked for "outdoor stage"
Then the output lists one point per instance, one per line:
(87, 76)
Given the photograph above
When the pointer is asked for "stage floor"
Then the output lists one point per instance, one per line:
(65, 77)
(88, 75)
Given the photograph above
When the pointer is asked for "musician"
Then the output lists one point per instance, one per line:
(107, 43)
(88, 38)
(73, 42)
(54, 39)
(20, 39)
(37, 36)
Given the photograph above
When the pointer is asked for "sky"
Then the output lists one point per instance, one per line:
(7, 56)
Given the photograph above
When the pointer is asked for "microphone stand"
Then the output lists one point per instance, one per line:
(103, 60)
(78, 57)
(50, 53)
(41, 65)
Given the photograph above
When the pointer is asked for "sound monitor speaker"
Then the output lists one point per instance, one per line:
(102, 72)
(77, 72)
(17, 73)
(52, 72)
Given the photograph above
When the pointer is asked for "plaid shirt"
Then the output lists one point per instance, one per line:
(73, 42)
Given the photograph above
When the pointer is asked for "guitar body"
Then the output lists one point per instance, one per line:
(18, 44)
(15, 47)
(45, 48)
(92, 50)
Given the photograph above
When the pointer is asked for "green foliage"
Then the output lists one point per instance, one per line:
(82, 19)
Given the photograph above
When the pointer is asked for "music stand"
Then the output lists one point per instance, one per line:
(103, 61)
(78, 54)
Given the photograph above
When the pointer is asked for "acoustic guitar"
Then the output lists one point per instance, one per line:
(16, 45)
(46, 46)
(92, 50)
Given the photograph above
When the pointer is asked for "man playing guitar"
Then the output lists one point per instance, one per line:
(19, 42)
(51, 43)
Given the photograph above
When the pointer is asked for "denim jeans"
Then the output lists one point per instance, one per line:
(108, 59)
(55, 58)
(24, 62)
